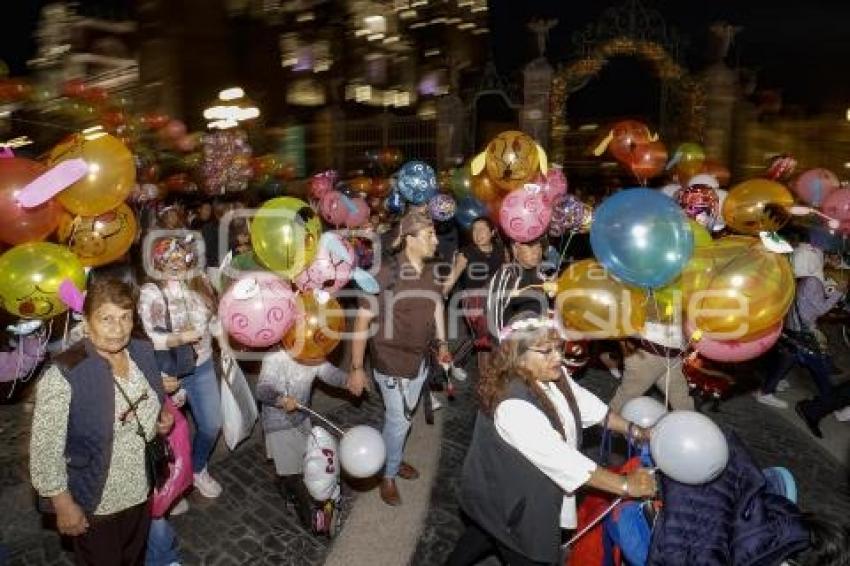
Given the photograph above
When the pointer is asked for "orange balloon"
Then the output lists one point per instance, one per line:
(19, 224)
(757, 205)
(98, 240)
(591, 301)
(361, 184)
(648, 160)
(512, 159)
(626, 136)
(380, 187)
(485, 190)
(316, 331)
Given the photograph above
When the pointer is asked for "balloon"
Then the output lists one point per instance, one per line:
(390, 158)
(642, 236)
(257, 309)
(643, 411)
(461, 182)
(781, 167)
(331, 269)
(174, 129)
(335, 208)
(468, 210)
(736, 288)
(380, 187)
(361, 184)
(186, 143)
(98, 240)
(569, 215)
(625, 137)
(73, 88)
(590, 300)
(815, 185)
(512, 159)
(648, 160)
(699, 201)
(484, 189)
(689, 448)
(317, 329)
(359, 216)
(523, 215)
(362, 451)
(735, 350)
(285, 235)
(111, 173)
(688, 159)
(668, 300)
(442, 207)
(554, 184)
(21, 224)
(417, 182)
(30, 277)
(757, 205)
(395, 203)
(322, 183)
(837, 205)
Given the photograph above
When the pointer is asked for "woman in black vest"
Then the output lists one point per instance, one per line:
(96, 407)
(524, 464)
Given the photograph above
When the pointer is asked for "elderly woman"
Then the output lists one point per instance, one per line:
(524, 466)
(96, 407)
(177, 309)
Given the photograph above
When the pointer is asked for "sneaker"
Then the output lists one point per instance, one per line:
(435, 403)
(459, 374)
(843, 415)
(206, 485)
(783, 385)
(770, 399)
(181, 507)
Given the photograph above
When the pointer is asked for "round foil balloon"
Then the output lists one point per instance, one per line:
(689, 159)
(395, 203)
(699, 201)
(111, 173)
(837, 206)
(625, 137)
(554, 184)
(815, 185)
(417, 182)
(30, 277)
(257, 309)
(322, 183)
(757, 205)
(331, 269)
(359, 216)
(285, 235)
(461, 181)
(642, 236)
(569, 214)
(442, 207)
(469, 209)
(523, 215)
(21, 224)
(485, 190)
(512, 159)
(781, 167)
(335, 208)
(102, 239)
(317, 329)
(648, 160)
(593, 302)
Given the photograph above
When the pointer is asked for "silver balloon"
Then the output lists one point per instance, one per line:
(362, 451)
(643, 411)
(689, 448)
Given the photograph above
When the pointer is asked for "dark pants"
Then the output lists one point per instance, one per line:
(118, 539)
(785, 358)
(819, 407)
(475, 544)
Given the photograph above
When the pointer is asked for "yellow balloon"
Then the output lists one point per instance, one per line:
(111, 173)
(667, 303)
(757, 205)
(737, 289)
(512, 159)
(30, 276)
(591, 301)
(98, 240)
(285, 235)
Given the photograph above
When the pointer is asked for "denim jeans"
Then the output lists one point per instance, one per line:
(205, 403)
(162, 544)
(786, 358)
(396, 424)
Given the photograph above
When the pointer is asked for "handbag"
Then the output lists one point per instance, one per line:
(178, 361)
(158, 453)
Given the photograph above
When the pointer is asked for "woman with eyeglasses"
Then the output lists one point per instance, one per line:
(96, 407)
(524, 464)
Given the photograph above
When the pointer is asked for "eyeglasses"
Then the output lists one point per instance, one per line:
(546, 352)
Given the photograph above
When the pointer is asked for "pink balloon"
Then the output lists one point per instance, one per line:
(258, 309)
(322, 183)
(837, 205)
(332, 267)
(815, 185)
(174, 129)
(523, 215)
(736, 350)
(186, 143)
(333, 208)
(360, 216)
(554, 185)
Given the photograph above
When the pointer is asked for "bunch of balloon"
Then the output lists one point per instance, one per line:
(319, 324)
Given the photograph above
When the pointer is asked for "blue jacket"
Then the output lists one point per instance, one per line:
(731, 521)
(91, 417)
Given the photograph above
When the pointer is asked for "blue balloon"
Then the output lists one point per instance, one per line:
(469, 209)
(394, 203)
(417, 182)
(642, 236)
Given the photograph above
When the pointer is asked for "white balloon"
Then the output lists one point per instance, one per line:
(321, 465)
(362, 451)
(643, 411)
(689, 447)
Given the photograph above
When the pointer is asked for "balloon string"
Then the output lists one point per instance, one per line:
(564, 250)
(593, 523)
(320, 417)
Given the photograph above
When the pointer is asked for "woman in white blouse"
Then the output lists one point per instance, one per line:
(524, 464)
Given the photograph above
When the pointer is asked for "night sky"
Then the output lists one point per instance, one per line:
(799, 47)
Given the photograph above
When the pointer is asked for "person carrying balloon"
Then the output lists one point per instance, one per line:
(408, 312)
(524, 464)
(284, 386)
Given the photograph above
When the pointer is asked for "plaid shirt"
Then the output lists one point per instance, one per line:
(187, 311)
